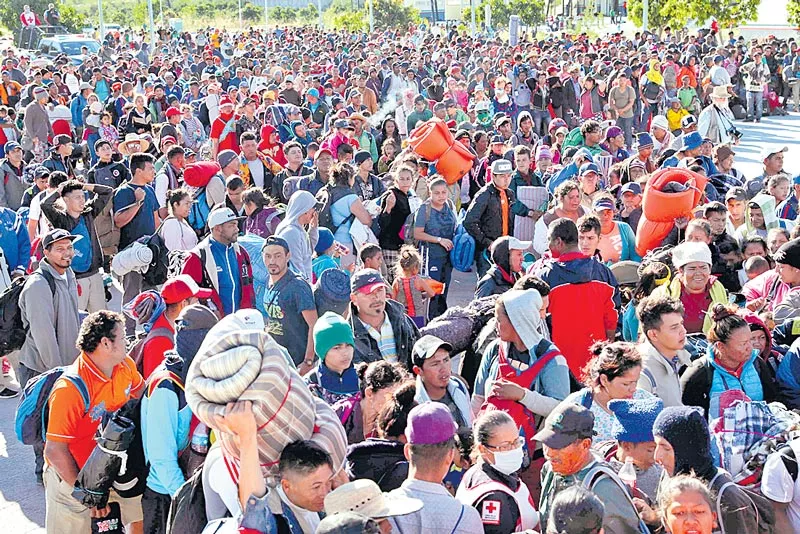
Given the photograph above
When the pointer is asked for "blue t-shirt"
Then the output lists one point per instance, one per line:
(83, 248)
(441, 223)
(143, 223)
(284, 303)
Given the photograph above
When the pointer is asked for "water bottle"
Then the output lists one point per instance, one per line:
(628, 474)
(200, 439)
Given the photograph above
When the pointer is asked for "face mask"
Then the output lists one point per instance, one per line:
(508, 462)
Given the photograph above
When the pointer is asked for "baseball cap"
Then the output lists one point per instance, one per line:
(565, 425)
(631, 187)
(688, 121)
(426, 347)
(769, 150)
(221, 216)
(692, 141)
(275, 240)
(57, 234)
(181, 288)
(502, 166)
(736, 193)
(172, 111)
(322, 151)
(12, 145)
(366, 281)
(586, 168)
(584, 153)
(39, 172)
(62, 140)
(342, 123)
(429, 423)
(497, 139)
(603, 203)
(362, 156)
(501, 121)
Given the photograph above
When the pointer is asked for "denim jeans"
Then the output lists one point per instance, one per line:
(757, 98)
(541, 120)
(626, 123)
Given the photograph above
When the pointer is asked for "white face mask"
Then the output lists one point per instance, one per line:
(508, 462)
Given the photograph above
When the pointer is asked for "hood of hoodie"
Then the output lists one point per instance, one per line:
(500, 255)
(767, 204)
(580, 269)
(266, 132)
(300, 202)
(522, 307)
(755, 322)
(522, 116)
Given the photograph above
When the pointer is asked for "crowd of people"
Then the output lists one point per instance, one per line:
(285, 336)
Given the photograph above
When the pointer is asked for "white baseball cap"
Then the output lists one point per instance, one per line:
(221, 216)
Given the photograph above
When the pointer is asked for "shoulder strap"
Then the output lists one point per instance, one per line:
(789, 459)
(458, 521)
(80, 385)
(51, 281)
(540, 363)
(157, 378)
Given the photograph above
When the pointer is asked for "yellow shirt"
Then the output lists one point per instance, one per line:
(674, 118)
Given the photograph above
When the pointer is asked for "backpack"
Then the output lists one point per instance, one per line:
(462, 254)
(198, 215)
(177, 259)
(12, 330)
(765, 513)
(603, 469)
(650, 91)
(187, 511)
(133, 481)
(156, 273)
(202, 114)
(136, 349)
(325, 216)
(30, 421)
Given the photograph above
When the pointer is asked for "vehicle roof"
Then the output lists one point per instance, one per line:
(69, 38)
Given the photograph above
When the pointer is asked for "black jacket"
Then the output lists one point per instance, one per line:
(484, 220)
(571, 99)
(405, 331)
(379, 460)
(392, 223)
(494, 282)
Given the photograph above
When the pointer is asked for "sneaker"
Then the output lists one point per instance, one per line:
(7, 393)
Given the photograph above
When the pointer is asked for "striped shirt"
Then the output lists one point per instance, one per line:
(385, 339)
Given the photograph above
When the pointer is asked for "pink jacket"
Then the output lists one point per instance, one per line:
(766, 285)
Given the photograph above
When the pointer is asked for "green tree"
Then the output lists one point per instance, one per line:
(71, 18)
(352, 22)
(530, 12)
(676, 13)
(654, 19)
(392, 14)
(793, 10)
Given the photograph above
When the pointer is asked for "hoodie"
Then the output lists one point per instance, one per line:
(768, 211)
(301, 242)
(519, 138)
(499, 278)
(273, 150)
(573, 278)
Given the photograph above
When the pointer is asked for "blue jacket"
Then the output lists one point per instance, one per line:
(569, 171)
(788, 208)
(628, 242)
(76, 109)
(165, 430)
(14, 240)
(789, 377)
(630, 323)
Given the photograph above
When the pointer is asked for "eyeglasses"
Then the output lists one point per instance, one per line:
(508, 446)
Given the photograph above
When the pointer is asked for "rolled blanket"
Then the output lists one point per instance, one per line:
(239, 362)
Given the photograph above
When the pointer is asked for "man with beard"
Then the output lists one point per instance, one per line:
(716, 121)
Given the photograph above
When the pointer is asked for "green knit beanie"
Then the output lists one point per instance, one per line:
(331, 329)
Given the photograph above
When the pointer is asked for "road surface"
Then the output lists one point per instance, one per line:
(22, 500)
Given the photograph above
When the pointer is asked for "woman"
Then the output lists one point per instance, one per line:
(591, 106)
(388, 131)
(568, 195)
(262, 218)
(404, 109)
(730, 362)
(344, 205)
(139, 120)
(194, 134)
(617, 240)
(376, 382)
(381, 458)
(175, 231)
(395, 208)
(653, 91)
(612, 373)
(686, 506)
(493, 483)
(434, 229)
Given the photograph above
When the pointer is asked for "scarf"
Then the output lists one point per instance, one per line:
(654, 75)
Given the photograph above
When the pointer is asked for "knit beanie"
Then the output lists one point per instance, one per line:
(686, 430)
(789, 253)
(331, 329)
(332, 291)
(324, 242)
(191, 327)
(633, 419)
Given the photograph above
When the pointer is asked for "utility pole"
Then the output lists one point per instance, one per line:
(266, 17)
(102, 24)
(371, 18)
(319, 13)
(645, 14)
(152, 26)
(472, 25)
(240, 15)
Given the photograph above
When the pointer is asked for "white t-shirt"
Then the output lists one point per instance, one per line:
(777, 485)
(35, 214)
(221, 492)
(256, 172)
(178, 235)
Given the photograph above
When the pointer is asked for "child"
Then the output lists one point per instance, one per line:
(674, 115)
(328, 253)
(334, 378)
(389, 151)
(688, 96)
(372, 257)
(409, 288)
(778, 187)
(107, 130)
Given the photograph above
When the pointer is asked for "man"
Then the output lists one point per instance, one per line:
(49, 309)
(78, 217)
(688, 125)
(776, 287)
(694, 287)
(11, 174)
(291, 173)
(107, 171)
(736, 202)
(365, 139)
(421, 113)
(255, 168)
(366, 185)
(223, 129)
(37, 121)
(300, 228)
(136, 215)
(323, 164)
(218, 262)
(716, 121)
(631, 212)
(572, 96)
(59, 159)
(756, 75)
(51, 15)
(111, 379)
(567, 441)
(692, 145)
(574, 277)
(724, 159)
(15, 247)
(589, 236)
(622, 99)
(436, 382)
(318, 108)
(381, 328)
(430, 450)
(772, 158)
(524, 176)
(490, 216)
(38, 225)
(289, 305)
(169, 178)
(662, 349)
(248, 122)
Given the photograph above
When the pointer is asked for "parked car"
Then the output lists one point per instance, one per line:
(68, 45)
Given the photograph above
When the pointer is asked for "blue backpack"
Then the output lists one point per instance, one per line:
(198, 216)
(462, 254)
(30, 422)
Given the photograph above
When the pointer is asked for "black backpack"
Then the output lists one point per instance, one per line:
(187, 512)
(202, 114)
(156, 273)
(12, 330)
(651, 90)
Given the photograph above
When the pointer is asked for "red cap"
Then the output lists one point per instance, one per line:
(181, 288)
(172, 111)
(322, 151)
(225, 102)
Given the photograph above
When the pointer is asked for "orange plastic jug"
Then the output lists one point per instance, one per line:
(454, 163)
(431, 139)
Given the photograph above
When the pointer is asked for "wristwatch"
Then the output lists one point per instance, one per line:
(439, 240)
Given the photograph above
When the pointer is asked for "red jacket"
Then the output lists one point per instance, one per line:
(207, 277)
(155, 347)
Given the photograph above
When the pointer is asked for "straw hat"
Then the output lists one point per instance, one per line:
(132, 144)
(365, 497)
(720, 91)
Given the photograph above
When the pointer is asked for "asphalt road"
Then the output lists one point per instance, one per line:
(22, 500)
